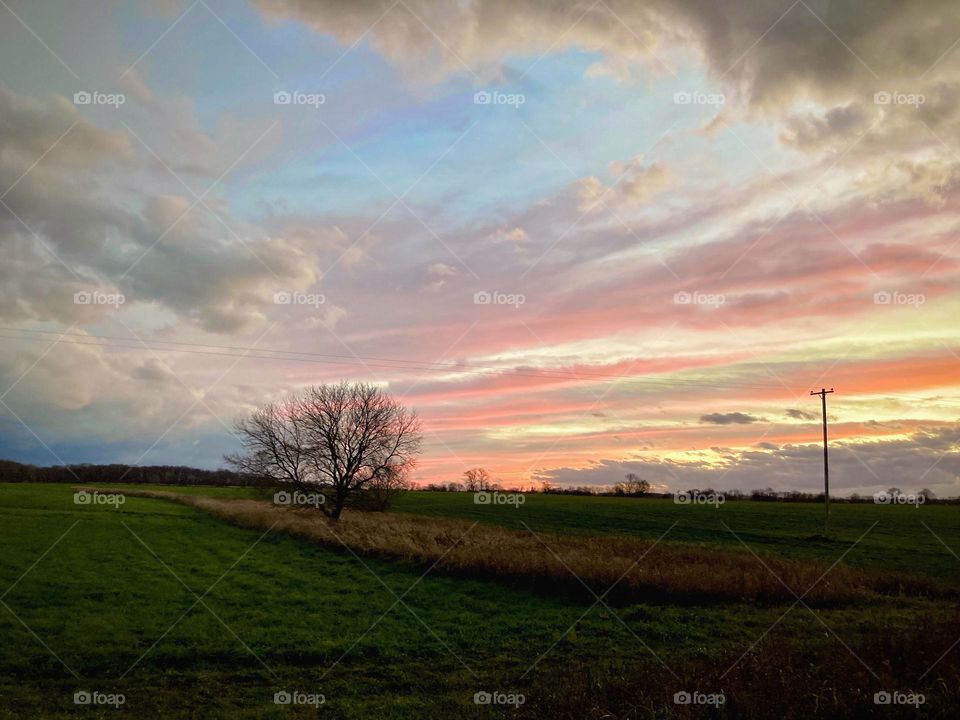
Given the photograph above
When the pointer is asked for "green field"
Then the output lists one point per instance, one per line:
(899, 541)
(188, 616)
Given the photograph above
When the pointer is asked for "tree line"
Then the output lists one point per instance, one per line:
(11, 471)
(377, 495)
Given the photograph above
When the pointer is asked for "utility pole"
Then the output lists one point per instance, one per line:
(823, 392)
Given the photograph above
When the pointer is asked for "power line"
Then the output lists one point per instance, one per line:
(417, 363)
(393, 363)
(358, 362)
(234, 351)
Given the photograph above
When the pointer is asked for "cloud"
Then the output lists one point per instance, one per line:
(442, 270)
(812, 131)
(643, 183)
(515, 235)
(635, 185)
(110, 232)
(29, 127)
(766, 53)
(927, 458)
(600, 298)
(153, 371)
(590, 192)
(734, 418)
(481, 34)
(133, 83)
(79, 390)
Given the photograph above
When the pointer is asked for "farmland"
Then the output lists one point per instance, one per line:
(899, 541)
(187, 614)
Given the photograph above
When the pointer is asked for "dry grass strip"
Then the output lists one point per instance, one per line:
(675, 572)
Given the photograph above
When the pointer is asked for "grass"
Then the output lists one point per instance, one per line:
(628, 569)
(905, 539)
(116, 600)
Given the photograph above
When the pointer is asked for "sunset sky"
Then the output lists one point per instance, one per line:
(686, 215)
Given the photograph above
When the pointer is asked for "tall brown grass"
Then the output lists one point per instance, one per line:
(636, 569)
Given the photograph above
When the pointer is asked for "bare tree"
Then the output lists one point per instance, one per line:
(275, 443)
(633, 485)
(477, 479)
(379, 493)
(337, 439)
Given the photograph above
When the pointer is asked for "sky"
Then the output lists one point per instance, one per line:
(579, 239)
